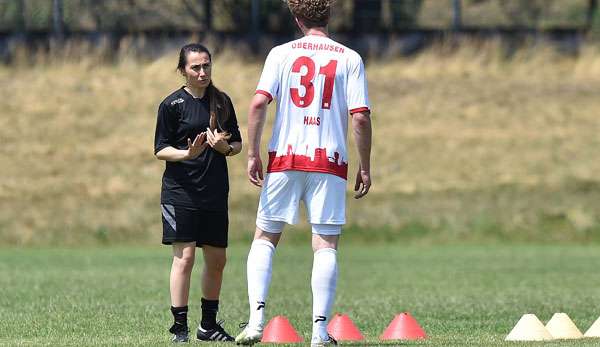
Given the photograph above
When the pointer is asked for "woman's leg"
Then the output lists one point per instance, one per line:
(181, 271)
(212, 275)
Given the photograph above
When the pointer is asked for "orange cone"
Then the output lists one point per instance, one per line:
(403, 327)
(342, 328)
(280, 330)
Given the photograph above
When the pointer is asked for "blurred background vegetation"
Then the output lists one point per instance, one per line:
(375, 28)
(273, 16)
(471, 144)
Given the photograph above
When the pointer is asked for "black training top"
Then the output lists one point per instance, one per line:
(203, 182)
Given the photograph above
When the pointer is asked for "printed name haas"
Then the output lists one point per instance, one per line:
(312, 120)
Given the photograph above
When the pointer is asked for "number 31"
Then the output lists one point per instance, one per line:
(306, 81)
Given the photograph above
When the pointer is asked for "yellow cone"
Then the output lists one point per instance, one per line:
(529, 328)
(594, 330)
(561, 326)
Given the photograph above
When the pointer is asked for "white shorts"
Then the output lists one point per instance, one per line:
(324, 196)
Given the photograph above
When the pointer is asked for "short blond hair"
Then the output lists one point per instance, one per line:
(312, 13)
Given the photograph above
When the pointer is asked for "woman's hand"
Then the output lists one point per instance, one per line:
(197, 147)
(217, 140)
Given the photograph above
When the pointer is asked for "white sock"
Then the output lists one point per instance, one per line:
(260, 259)
(324, 279)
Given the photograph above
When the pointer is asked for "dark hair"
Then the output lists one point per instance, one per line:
(219, 108)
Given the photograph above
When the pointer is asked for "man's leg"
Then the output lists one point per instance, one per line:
(279, 200)
(259, 266)
(325, 199)
(324, 278)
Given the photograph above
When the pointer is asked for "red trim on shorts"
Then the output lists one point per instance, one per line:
(265, 93)
(320, 163)
(359, 109)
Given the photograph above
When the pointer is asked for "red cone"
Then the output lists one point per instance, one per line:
(403, 327)
(342, 328)
(280, 330)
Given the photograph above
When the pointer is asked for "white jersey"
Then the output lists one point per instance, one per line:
(317, 82)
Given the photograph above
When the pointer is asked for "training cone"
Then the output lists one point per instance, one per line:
(403, 327)
(280, 330)
(342, 328)
(594, 330)
(529, 328)
(560, 326)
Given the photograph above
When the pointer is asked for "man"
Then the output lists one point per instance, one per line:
(317, 82)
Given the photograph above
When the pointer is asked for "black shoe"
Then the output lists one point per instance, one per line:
(180, 333)
(216, 333)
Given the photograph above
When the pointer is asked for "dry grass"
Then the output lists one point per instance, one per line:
(473, 120)
(466, 142)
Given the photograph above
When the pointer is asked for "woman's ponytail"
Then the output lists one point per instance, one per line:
(219, 109)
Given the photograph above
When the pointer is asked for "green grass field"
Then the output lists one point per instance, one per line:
(461, 295)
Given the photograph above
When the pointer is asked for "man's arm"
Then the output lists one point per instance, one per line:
(257, 115)
(361, 127)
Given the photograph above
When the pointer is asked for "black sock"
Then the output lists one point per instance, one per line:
(180, 315)
(209, 313)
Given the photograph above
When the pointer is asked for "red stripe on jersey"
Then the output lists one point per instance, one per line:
(265, 93)
(360, 109)
(320, 163)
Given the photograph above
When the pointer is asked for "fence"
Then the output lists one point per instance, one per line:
(367, 24)
(271, 16)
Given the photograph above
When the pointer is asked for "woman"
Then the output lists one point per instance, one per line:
(196, 129)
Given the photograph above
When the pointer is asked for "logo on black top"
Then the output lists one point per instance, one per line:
(176, 101)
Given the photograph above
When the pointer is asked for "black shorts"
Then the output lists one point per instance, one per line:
(185, 224)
